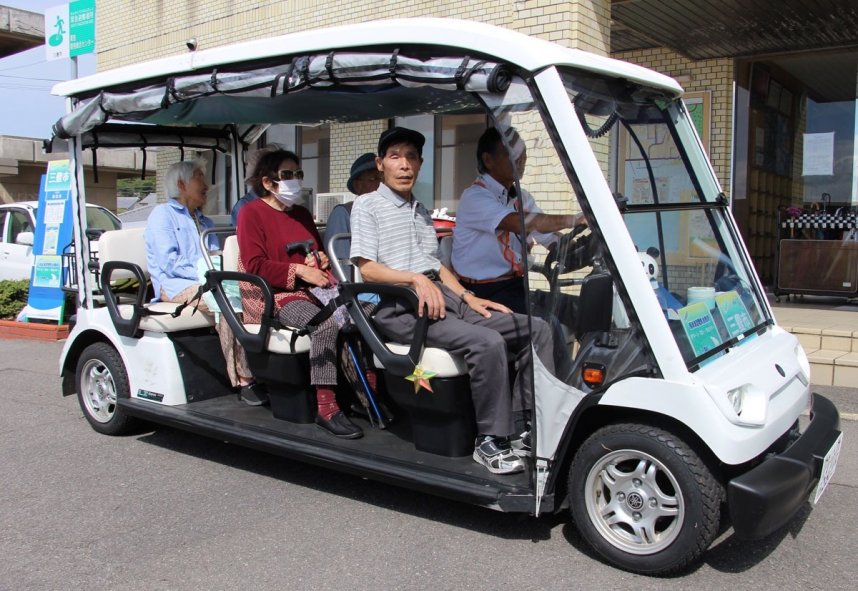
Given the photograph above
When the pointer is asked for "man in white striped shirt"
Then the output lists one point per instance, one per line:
(393, 241)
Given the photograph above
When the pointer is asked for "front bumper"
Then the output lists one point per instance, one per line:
(766, 497)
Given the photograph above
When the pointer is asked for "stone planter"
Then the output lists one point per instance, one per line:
(33, 331)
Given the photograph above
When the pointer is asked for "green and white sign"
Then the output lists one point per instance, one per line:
(733, 311)
(70, 29)
(700, 327)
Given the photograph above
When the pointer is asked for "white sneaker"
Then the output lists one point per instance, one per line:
(498, 460)
(521, 445)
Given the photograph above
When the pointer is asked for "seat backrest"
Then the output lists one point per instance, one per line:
(127, 245)
(595, 304)
(445, 250)
(230, 254)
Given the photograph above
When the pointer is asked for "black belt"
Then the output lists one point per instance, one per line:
(432, 275)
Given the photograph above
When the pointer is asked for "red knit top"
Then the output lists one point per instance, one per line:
(263, 234)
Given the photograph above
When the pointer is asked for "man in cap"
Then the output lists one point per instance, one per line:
(363, 178)
(393, 241)
(486, 238)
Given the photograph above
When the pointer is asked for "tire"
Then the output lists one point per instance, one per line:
(101, 379)
(643, 499)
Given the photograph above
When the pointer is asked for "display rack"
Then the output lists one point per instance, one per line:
(816, 255)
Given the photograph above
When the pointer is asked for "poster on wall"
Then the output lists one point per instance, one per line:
(818, 154)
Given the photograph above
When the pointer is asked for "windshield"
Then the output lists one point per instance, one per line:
(676, 214)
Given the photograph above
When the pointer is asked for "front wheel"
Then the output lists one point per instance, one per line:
(643, 498)
(101, 379)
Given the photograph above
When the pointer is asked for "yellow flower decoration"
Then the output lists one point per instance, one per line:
(421, 378)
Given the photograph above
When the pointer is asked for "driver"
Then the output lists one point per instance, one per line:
(486, 244)
(393, 241)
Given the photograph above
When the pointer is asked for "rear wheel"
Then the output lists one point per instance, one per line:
(101, 379)
(643, 498)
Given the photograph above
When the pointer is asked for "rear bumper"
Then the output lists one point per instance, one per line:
(768, 496)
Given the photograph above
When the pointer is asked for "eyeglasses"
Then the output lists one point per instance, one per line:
(288, 175)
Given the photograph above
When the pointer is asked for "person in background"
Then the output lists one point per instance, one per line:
(268, 228)
(486, 238)
(173, 251)
(363, 178)
(252, 160)
(394, 242)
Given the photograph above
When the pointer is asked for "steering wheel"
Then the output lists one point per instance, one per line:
(570, 252)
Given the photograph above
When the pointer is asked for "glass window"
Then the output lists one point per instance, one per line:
(425, 187)
(316, 158)
(829, 153)
(457, 160)
(450, 167)
(98, 218)
(3, 231)
(283, 135)
(19, 221)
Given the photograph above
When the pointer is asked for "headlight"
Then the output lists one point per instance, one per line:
(803, 363)
(737, 399)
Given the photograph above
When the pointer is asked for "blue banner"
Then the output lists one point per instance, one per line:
(53, 233)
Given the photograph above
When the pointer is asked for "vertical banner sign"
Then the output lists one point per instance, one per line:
(70, 29)
(82, 27)
(53, 233)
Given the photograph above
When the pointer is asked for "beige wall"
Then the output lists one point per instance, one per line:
(130, 32)
(348, 141)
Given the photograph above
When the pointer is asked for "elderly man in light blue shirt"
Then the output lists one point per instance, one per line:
(173, 251)
(173, 234)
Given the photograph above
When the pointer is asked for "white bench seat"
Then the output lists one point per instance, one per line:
(129, 245)
(443, 363)
(187, 320)
(279, 341)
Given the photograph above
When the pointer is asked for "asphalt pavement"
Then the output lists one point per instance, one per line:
(169, 510)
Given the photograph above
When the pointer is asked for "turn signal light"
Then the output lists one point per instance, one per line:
(593, 374)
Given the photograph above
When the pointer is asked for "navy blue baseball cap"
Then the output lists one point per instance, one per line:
(397, 135)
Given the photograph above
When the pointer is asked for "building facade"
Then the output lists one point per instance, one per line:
(761, 81)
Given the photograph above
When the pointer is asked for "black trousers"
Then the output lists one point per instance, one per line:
(509, 292)
(486, 344)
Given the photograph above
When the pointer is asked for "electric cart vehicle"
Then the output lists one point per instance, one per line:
(673, 410)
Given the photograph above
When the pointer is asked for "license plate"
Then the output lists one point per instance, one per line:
(829, 463)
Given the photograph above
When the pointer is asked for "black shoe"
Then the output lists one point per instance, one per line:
(340, 426)
(253, 395)
(358, 409)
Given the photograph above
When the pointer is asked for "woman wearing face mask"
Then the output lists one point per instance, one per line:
(266, 228)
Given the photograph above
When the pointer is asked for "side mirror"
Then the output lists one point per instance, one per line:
(25, 238)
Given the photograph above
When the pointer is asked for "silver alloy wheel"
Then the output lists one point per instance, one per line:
(98, 390)
(634, 501)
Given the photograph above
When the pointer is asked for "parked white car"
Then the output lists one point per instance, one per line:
(18, 225)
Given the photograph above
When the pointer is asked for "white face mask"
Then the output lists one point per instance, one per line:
(289, 192)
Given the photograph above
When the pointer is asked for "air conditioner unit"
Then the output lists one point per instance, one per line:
(323, 203)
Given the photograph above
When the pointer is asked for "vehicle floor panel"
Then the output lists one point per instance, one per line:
(391, 444)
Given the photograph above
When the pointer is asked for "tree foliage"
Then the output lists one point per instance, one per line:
(13, 297)
(135, 186)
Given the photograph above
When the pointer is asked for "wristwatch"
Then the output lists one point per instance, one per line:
(464, 293)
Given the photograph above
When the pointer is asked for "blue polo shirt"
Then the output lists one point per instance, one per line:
(173, 247)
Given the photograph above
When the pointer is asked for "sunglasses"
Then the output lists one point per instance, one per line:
(288, 175)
